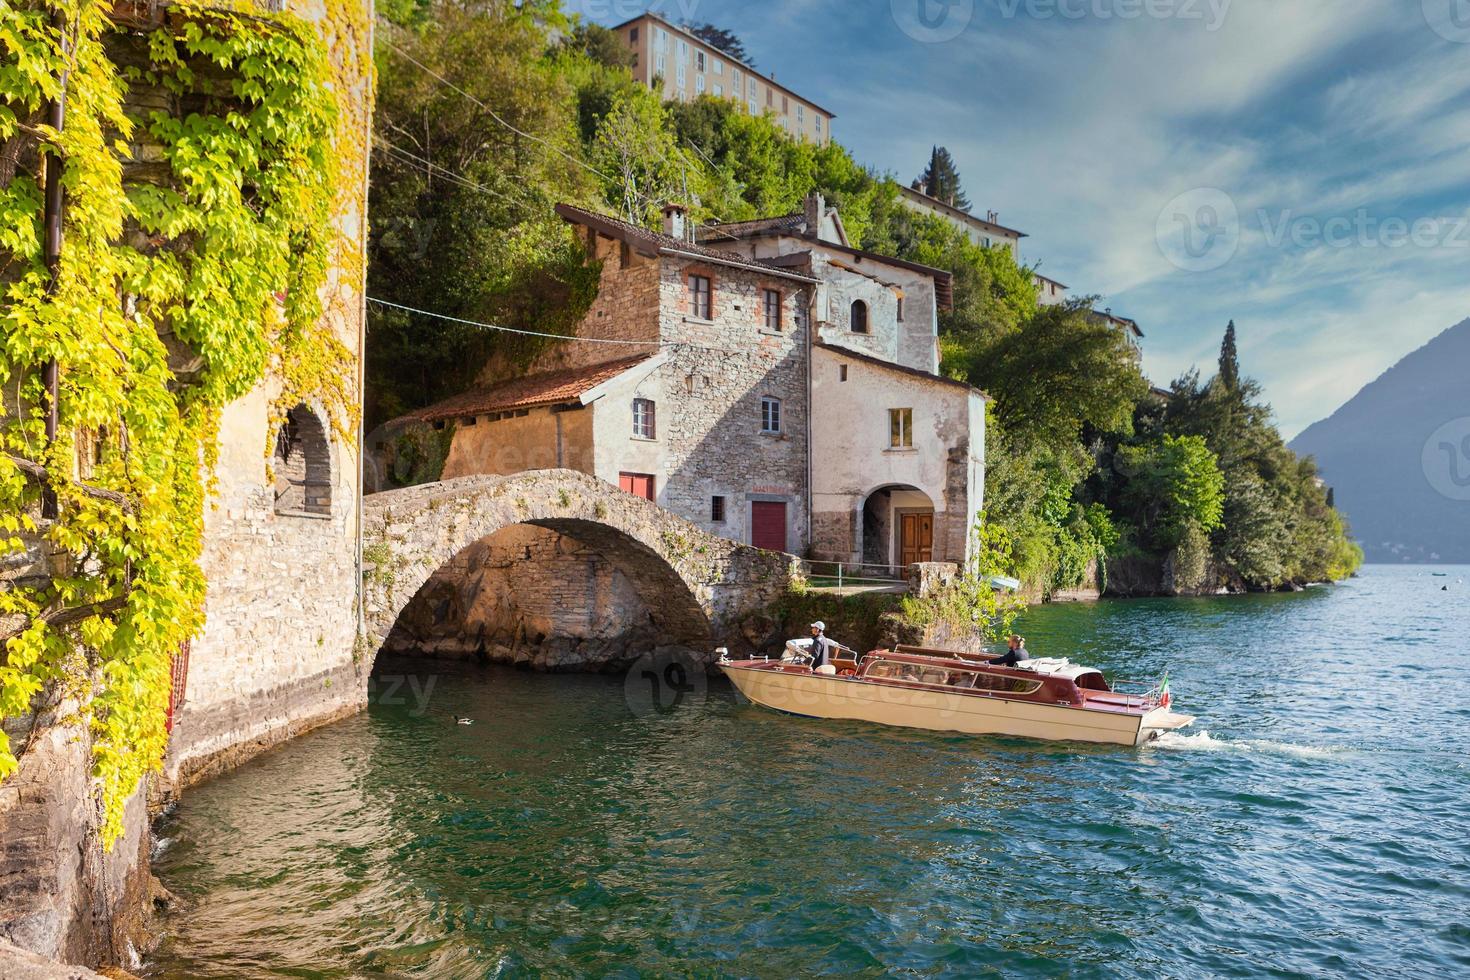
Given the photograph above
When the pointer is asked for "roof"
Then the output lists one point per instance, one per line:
(529, 391)
(899, 368)
(650, 15)
(1121, 321)
(954, 212)
(655, 244)
(1049, 279)
(795, 226)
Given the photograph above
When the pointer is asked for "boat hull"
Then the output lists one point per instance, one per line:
(820, 696)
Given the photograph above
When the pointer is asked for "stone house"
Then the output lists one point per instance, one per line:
(898, 451)
(986, 231)
(687, 384)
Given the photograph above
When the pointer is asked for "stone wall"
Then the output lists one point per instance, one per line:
(61, 895)
(626, 308)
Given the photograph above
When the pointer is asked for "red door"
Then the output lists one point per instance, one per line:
(638, 484)
(768, 524)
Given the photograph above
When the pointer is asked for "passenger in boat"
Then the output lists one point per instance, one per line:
(1015, 652)
(822, 648)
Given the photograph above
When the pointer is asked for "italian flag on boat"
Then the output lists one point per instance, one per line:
(1164, 691)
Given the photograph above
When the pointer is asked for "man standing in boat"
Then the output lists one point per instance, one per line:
(823, 648)
(1015, 652)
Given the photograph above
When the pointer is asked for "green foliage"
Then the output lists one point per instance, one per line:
(242, 217)
(1174, 486)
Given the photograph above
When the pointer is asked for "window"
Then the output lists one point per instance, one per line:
(717, 510)
(800, 114)
(750, 88)
(699, 297)
(699, 61)
(643, 418)
(699, 84)
(735, 79)
(633, 35)
(771, 301)
(859, 321)
(683, 51)
(770, 97)
(750, 107)
(718, 66)
(817, 121)
(785, 105)
(901, 428)
(638, 484)
(900, 309)
(842, 372)
(719, 91)
(770, 415)
(682, 75)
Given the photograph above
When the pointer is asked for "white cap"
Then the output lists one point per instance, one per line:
(819, 625)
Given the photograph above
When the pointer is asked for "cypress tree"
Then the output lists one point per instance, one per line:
(941, 180)
(1229, 363)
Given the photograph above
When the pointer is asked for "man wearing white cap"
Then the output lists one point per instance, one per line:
(822, 648)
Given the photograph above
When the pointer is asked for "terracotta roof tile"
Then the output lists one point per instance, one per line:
(549, 388)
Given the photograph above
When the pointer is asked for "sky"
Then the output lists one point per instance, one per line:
(1299, 166)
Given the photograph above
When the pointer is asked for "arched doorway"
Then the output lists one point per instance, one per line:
(302, 464)
(897, 528)
(551, 595)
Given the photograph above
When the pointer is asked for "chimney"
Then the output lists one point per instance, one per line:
(993, 217)
(816, 210)
(676, 222)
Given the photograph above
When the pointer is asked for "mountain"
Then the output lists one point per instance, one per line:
(1397, 455)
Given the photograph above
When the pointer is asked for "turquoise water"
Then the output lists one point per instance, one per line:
(1315, 822)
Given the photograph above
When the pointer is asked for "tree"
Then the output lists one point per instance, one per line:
(941, 180)
(602, 45)
(1060, 370)
(1229, 363)
(1174, 484)
(726, 41)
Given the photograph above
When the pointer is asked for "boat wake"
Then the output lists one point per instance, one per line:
(1203, 741)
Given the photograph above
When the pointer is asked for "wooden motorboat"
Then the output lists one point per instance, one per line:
(939, 690)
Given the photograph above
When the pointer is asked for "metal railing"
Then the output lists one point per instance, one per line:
(842, 576)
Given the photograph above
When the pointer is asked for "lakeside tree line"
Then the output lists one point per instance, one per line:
(491, 112)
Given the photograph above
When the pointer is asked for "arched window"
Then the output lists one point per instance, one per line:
(303, 464)
(859, 322)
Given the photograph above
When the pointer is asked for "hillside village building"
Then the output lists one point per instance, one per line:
(987, 232)
(732, 338)
(690, 67)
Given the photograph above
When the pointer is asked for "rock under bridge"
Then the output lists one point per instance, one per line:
(556, 569)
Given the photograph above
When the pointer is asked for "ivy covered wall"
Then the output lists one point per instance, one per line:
(212, 163)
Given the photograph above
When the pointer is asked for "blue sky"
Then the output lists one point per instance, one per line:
(1300, 166)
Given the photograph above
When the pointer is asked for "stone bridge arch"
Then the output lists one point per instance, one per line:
(700, 589)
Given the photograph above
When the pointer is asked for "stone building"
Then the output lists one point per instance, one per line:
(688, 67)
(898, 451)
(687, 384)
(986, 231)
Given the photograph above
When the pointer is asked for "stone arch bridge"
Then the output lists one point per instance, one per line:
(699, 590)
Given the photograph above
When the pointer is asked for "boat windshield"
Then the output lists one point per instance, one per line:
(963, 678)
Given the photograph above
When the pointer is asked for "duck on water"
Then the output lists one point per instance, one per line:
(941, 690)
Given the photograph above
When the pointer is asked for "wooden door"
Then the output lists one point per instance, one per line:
(916, 538)
(638, 484)
(768, 524)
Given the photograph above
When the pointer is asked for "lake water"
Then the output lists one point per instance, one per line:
(1314, 822)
